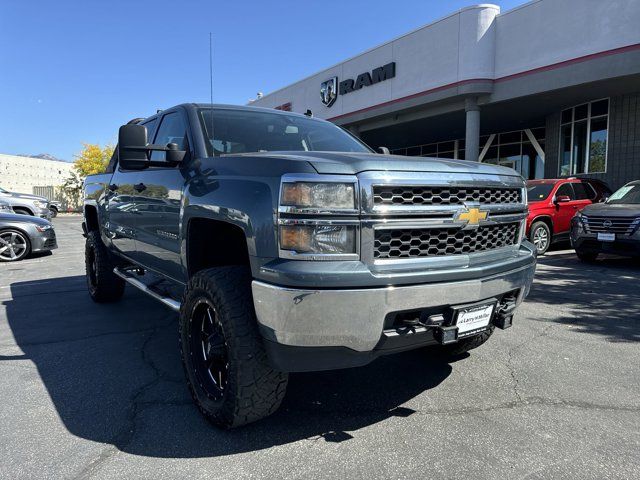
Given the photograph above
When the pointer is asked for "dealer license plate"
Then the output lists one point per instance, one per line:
(474, 318)
(607, 237)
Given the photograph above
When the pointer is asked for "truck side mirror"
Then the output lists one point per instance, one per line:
(563, 199)
(132, 142)
(174, 155)
(384, 151)
(133, 149)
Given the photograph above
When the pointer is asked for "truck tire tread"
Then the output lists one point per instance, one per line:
(108, 286)
(254, 389)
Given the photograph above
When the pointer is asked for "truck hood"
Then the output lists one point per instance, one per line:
(612, 210)
(338, 163)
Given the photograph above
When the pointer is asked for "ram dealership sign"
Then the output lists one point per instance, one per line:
(330, 88)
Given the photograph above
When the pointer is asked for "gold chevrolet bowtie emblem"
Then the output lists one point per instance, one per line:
(473, 216)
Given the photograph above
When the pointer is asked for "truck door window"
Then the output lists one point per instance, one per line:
(151, 128)
(173, 129)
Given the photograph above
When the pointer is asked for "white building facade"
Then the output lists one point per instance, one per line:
(550, 88)
(29, 175)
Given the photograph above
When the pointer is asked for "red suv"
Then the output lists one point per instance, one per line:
(554, 202)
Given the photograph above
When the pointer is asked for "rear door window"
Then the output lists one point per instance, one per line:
(565, 190)
(580, 191)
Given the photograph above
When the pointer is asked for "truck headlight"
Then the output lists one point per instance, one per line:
(318, 238)
(39, 204)
(325, 196)
(318, 217)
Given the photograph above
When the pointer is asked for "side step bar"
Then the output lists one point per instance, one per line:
(169, 302)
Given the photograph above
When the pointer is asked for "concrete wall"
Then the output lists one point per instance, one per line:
(545, 32)
(21, 174)
(623, 149)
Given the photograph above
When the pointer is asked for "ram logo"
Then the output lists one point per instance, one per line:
(329, 91)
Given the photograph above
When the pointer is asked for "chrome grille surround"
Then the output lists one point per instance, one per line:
(380, 220)
(603, 224)
(416, 195)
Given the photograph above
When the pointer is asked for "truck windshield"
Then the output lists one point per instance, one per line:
(536, 192)
(244, 131)
(629, 194)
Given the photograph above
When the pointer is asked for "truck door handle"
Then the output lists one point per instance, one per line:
(113, 187)
(139, 187)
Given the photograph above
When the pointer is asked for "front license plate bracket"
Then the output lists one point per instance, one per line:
(474, 318)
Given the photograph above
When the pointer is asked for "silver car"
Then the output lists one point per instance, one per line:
(21, 235)
(26, 204)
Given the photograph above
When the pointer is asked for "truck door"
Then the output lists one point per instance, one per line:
(157, 226)
(121, 204)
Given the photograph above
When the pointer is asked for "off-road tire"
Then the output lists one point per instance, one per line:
(104, 286)
(54, 212)
(532, 234)
(588, 257)
(466, 344)
(253, 389)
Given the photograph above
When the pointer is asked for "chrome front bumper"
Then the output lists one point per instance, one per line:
(354, 318)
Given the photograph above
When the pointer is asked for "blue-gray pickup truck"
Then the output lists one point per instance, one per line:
(287, 245)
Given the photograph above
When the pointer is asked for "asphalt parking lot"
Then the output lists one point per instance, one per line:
(95, 391)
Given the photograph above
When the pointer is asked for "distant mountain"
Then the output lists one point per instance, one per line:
(44, 156)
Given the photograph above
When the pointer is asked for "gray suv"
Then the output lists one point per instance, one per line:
(26, 204)
(609, 227)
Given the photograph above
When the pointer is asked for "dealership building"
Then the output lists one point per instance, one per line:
(550, 88)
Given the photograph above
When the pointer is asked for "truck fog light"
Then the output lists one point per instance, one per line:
(321, 239)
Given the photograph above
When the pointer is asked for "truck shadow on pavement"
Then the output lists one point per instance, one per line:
(114, 375)
(600, 298)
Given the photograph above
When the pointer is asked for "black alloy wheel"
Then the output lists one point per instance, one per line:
(209, 357)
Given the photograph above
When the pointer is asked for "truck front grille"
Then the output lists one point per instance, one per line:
(434, 242)
(426, 195)
(620, 225)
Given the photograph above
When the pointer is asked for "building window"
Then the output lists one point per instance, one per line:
(583, 138)
(522, 150)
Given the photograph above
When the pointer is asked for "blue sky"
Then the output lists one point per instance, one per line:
(73, 72)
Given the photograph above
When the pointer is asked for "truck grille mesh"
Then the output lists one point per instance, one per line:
(407, 195)
(433, 242)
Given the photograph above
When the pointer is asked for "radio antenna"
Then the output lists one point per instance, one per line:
(213, 150)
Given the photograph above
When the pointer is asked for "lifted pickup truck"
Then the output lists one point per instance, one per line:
(287, 245)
